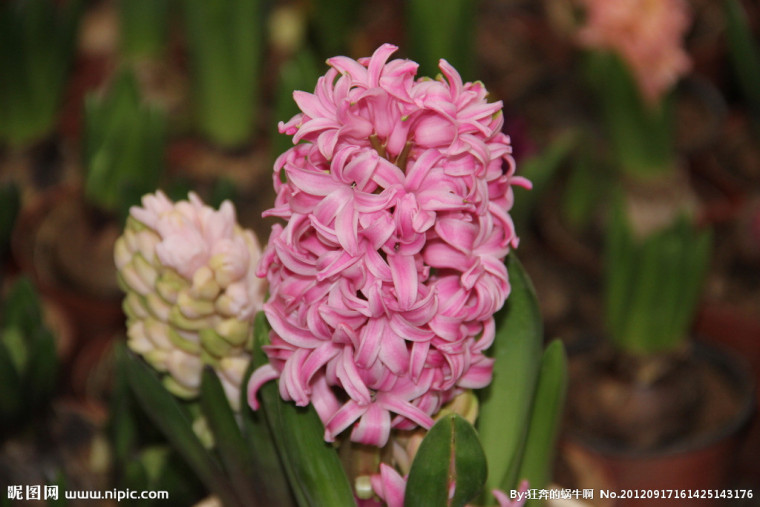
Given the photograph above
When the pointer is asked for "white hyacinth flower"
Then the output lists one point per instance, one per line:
(191, 291)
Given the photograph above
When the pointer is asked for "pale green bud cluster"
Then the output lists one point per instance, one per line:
(179, 324)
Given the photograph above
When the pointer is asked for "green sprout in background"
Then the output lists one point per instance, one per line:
(225, 44)
(28, 358)
(143, 27)
(641, 135)
(124, 143)
(445, 30)
(37, 43)
(653, 284)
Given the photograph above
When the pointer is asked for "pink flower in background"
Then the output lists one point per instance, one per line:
(384, 280)
(647, 34)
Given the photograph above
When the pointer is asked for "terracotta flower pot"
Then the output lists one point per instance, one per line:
(702, 459)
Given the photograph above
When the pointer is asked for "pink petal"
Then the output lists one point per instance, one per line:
(343, 418)
(261, 376)
(404, 274)
(389, 486)
(374, 427)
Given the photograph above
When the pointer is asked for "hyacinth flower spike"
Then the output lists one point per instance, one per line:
(385, 278)
(187, 270)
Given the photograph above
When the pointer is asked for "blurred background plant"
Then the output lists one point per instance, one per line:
(452, 38)
(225, 43)
(143, 28)
(37, 45)
(124, 142)
(653, 285)
(28, 361)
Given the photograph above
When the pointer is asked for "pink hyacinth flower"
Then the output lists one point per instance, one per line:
(385, 278)
(647, 34)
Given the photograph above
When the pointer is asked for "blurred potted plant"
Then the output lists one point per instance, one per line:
(633, 59)
(363, 398)
(66, 238)
(729, 314)
(655, 409)
(37, 43)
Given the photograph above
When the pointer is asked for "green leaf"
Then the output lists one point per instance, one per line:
(175, 423)
(333, 22)
(229, 441)
(261, 445)
(312, 465)
(545, 419)
(653, 285)
(122, 425)
(37, 42)
(124, 145)
(517, 354)
(589, 179)
(449, 454)
(61, 501)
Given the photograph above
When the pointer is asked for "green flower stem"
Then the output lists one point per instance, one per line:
(175, 422)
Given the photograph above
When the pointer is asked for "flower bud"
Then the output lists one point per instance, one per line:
(191, 291)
